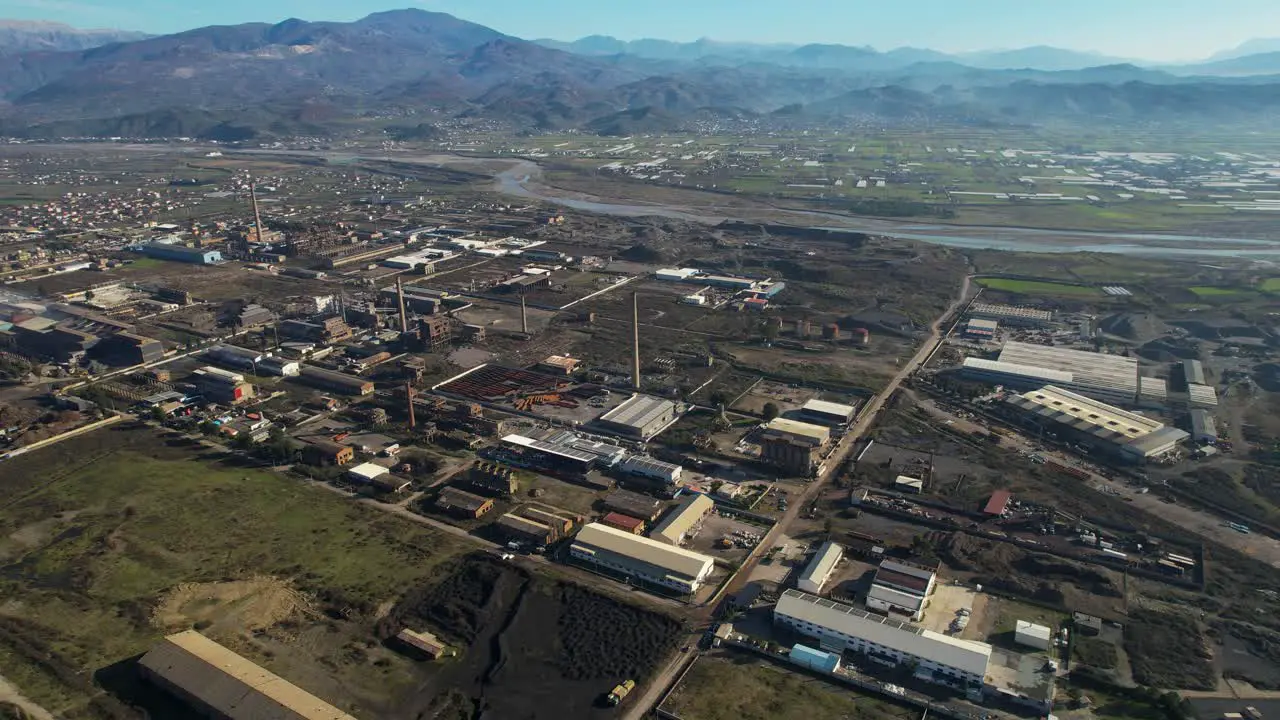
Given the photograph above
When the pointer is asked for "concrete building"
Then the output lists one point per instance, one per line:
(981, 329)
(842, 628)
(901, 588)
(221, 684)
(642, 416)
(645, 466)
(1032, 635)
(1125, 435)
(639, 558)
(1204, 429)
(625, 523)
(1110, 378)
(820, 567)
(634, 504)
(1011, 314)
(327, 452)
(179, 253)
(366, 472)
(828, 413)
(220, 386)
(334, 381)
(680, 521)
(463, 504)
(794, 447)
(523, 530)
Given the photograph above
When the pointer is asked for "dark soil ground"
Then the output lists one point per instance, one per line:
(530, 648)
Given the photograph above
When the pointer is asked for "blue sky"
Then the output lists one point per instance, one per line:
(1151, 29)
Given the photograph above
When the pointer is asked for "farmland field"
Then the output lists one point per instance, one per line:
(1271, 285)
(1220, 293)
(1035, 287)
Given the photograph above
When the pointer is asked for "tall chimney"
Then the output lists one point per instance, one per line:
(257, 217)
(404, 319)
(635, 327)
(524, 316)
(408, 398)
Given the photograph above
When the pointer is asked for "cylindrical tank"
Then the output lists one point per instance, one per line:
(831, 332)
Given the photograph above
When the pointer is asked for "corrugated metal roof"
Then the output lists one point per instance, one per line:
(895, 597)
(638, 411)
(563, 451)
(823, 562)
(816, 433)
(367, 471)
(1014, 370)
(823, 407)
(965, 655)
(685, 516)
(231, 684)
(666, 559)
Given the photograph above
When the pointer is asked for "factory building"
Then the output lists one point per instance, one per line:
(463, 504)
(549, 456)
(639, 558)
(794, 447)
(126, 348)
(179, 253)
(365, 473)
(523, 530)
(1122, 434)
(234, 356)
(642, 417)
(820, 567)
(676, 274)
(684, 518)
(1109, 378)
(634, 504)
(218, 683)
(329, 331)
(839, 628)
(1011, 314)
(334, 381)
(1193, 372)
(1202, 396)
(1204, 429)
(981, 329)
(828, 413)
(901, 588)
(220, 386)
(644, 466)
(327, 452)
(625, 523)
(279, 367)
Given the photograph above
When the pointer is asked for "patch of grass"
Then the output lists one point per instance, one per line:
(1270, 285)
(139, 516)
(1219, 293)
(1035, 287)
(718, 688)
(1092, 651)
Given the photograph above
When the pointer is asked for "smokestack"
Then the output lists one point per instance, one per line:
(408, 398)
(524, 317)
(635, 327)
(257, 217)
(404, 319)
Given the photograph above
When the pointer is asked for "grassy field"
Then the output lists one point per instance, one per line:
(1035, 287)
(1219, 293)
(1271, 285)
(723, 687)
(97, 530)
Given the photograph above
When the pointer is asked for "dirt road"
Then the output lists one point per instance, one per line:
(10, 694)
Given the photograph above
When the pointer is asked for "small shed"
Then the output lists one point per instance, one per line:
(805, 656)
(908, 484)
(1032, 635)
(625, 523)
(424, 643)
(366, 472)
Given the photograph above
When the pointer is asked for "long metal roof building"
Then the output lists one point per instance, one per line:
(674, 526)
(641, 557)
(964, 655)
(212, 677)
(1128, 432)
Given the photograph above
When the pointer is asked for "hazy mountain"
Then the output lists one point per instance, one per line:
(1040, 57)
(20, 36)
(1243, 66)
(1256, 46)
(424, 69)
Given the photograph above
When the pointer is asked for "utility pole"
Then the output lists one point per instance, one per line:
(635, 327)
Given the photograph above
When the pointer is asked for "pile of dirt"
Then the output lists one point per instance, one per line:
(1168, 350)
(244, 605)
(1134, 326)
(602, 638)
(457, 606)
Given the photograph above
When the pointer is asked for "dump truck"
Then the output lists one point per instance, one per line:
(621, 691)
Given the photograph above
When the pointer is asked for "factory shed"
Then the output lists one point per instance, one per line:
(799, 431)
(222, 684)
(642, 416)
(638, 557)
(646, 466)
(462, 503)
(828, 413)
(820, 567)
(634, 504)
(1193, 372)
(1204, 429)
(679, 522)
(366, 472)
(1202, 396)
(997, 503)
(334, 381)
(625, 523)
(521, 529)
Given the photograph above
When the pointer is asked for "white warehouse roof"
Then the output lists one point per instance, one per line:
(367, 471)
(1028, 372)
(964, 655)
(822, 407)
(819, 568)
(682, 519)
(669, 559)
(1113, 373)
(816, 433)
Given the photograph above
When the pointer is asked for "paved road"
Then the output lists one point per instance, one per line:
(654, 689)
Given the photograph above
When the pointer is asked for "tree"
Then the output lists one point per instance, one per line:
(770, 411)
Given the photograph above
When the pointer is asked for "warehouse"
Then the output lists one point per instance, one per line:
(981, 329)
(523, 530)
(334, 381)
(645, 466)
(828, 413)
(461, 503)
(1011, 314)
(640, 417)
(902, 588)
(676, 274)
(366, 472)
(1124, 434)
(634, 504)
(219, 683)
(1109, 378)
(682, 520)
(1204, 429)
(640, 558)
(839, 628)
(805, 656)
(559, 458)
(820, 567)
(179, 253)
(1202, 396)
(220, 386)
(1032, 635)
(1193, 372)
(625, 523)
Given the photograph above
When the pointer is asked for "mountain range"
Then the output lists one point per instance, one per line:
(412, 72)
(20, 36)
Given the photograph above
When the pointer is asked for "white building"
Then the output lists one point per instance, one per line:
(1032, 635)
(366, 472)
(839, 628)
(819, 569)
(1109, 378)
(638, 557)
(1126, 434)
(901, 588)
(682, 520)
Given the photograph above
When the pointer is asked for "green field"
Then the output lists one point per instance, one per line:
(1219, 293)
(1036, 287)
(1271, 285)
(93, 531)
(723, 688)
